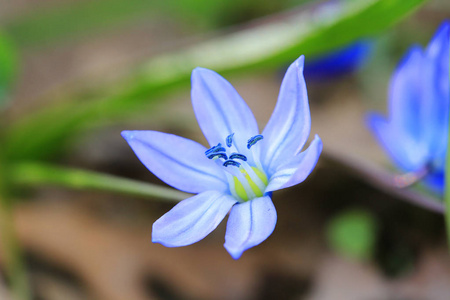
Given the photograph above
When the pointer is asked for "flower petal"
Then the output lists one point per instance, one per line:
(177, 161)
(298, 169)
(436, 182)
(435, 76)
(406, 152)
(249, 224)
(290, 124)
(192, 219)
(338, 62)
(220, 110)
(406, 100)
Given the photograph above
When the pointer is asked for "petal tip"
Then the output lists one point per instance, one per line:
(299, 63)
(156, 240)
(300, 60)
(440, 39)
(198, 71)
(127, 134)
(444, 28)
(161, 242)
(320, 143)
(235, 253)
(159, 238)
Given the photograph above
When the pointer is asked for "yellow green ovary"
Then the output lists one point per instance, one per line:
(240, 190)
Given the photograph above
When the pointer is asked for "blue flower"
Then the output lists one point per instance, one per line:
(415, 134)
(240, 170)
(339, 62)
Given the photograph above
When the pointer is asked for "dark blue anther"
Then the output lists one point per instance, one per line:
(209, 151)
(231, 162)
(254, 140)
(219, 149)
(215, 149)
(218, 155)
(238, 156)
(230, 140)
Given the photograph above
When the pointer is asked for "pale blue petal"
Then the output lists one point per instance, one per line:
(220, 110)
(406, 152)
(435, 76)
(290, 124)
(249, 224)
(177, 161)
(406, 100)
(297, 169)
(192, 219)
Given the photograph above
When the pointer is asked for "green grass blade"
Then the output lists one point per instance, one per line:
(13, 262)
(8, 67)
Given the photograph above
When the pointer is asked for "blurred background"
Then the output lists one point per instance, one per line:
(74, 74)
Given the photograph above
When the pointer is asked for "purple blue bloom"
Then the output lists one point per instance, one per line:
(240, 170)
(339, 62)
(415, 134)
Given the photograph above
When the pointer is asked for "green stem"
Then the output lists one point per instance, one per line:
(42, 174)
(13, 257)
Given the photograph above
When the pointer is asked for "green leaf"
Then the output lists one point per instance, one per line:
(353, 234)
(269, 45)
(8, 66)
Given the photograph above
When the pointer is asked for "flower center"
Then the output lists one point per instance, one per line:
(256, 189)
(246, 177)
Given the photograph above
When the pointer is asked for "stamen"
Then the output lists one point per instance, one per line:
(230, 140)
(218, 155)
(242, 186)
(245, 185)
(231, 184)
(231, 162)
(246, 180)
(215, 149)
(238, 156)
(256, 176)
(254, 140)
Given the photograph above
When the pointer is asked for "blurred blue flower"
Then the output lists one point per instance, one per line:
(240, 170)
(339, 62)
(415, 134)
